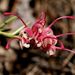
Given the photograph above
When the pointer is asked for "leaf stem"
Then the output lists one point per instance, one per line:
(12, 34)
(7, 21)
(18, 30)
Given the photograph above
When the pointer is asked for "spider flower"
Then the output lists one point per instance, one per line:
(41, 36)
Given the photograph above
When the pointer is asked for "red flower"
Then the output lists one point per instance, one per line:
(43, 36)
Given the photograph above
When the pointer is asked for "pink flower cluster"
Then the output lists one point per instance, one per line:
(42, 36)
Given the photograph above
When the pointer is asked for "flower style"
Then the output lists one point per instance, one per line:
(42, 37)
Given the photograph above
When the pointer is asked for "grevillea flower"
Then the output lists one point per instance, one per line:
(41, 36)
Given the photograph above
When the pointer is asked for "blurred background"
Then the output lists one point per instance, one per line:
(32, 61)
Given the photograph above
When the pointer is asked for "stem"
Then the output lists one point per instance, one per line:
(6, 34)
(18, 30)
(10, 35)
(7, 21)
(13, 34)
